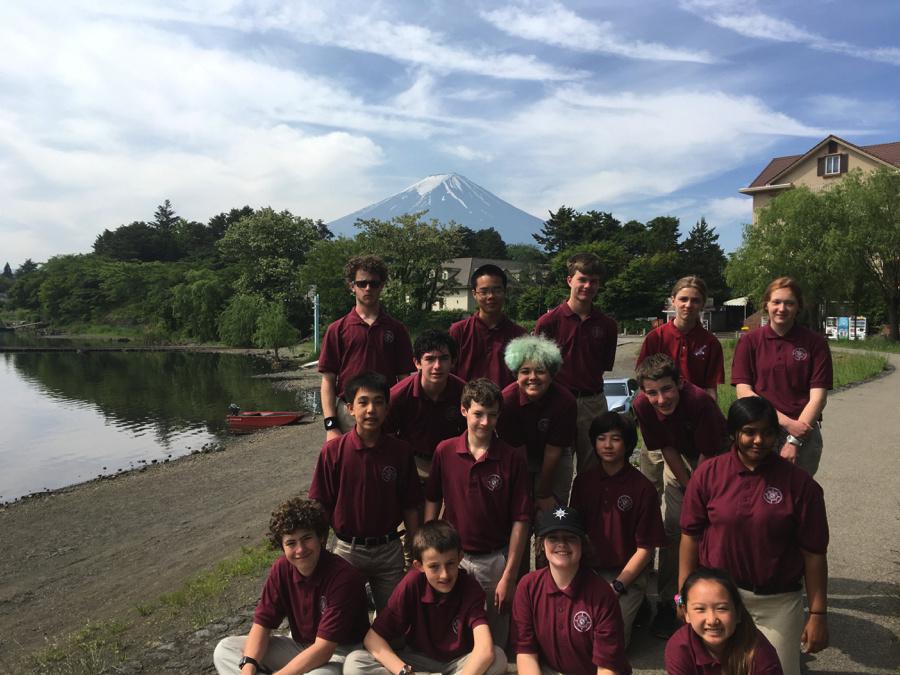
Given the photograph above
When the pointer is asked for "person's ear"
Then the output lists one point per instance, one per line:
(418, 566)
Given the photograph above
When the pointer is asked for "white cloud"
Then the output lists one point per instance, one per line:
(556, 25)
(467, 153)
(744, 20)
(726, 209)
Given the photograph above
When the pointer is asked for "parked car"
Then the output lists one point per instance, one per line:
(620, 394)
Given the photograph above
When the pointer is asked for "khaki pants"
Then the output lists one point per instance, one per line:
(488, 570)
(631, 601)
(673, 498)
(281, 651)
(363, 663)
(780, 618)
(810, 453)
(382, 566)
(652, 465)
(589, 408)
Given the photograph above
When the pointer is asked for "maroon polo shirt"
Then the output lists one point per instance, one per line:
(621, 513)
(698, 353)
(754, 523)
(437, 625)
(588, 347)
(351, 347)
(330, 603)
(366, 488)
(421, 422)
(482, 499)
(574, 631)
(696, 426)
(686, 655)
(481, 349)
(783, 368)
(548, 421)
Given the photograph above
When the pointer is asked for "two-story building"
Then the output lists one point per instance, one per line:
(458, 275)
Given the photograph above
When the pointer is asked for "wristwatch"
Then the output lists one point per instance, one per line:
(246, 660)
(619, 587)
(794, 441)
(331, 423)
(406, 670)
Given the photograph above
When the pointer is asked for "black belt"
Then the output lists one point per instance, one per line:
(370, 541)
(582, 393)
(496, 550)
(771, 589)
(421, 455)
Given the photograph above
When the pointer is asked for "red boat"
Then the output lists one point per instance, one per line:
(246, 422)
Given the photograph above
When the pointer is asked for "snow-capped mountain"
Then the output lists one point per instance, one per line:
(449, 197)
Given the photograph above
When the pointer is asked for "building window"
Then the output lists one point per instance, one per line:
(445, 275)
(832, 164)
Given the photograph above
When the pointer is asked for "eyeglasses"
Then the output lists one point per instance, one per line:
(365, 283)
(484, 292)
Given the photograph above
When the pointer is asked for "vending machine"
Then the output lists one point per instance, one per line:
(843, 328)
(831, 327)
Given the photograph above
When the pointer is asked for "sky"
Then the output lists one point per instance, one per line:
(642, 109)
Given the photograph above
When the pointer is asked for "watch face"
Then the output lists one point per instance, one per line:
(329, 424)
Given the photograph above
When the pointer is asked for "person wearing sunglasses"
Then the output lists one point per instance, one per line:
(366, 339)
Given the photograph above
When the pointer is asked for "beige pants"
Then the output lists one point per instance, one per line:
(780, 619)
(488, 570)
(382, 566)
(363, 663)
(810, 453)
(631, 601)
(652, 465)
(589, 408)
(673, 498)
(281, 651)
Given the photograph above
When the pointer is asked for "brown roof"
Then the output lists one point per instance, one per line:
(886, 152)
(461, 268)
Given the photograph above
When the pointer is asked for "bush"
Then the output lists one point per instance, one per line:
(633, 326)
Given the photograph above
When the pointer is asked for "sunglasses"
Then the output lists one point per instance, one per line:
(365, 283)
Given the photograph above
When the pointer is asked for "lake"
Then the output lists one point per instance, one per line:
(69, 417)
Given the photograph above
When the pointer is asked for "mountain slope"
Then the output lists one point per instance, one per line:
(449, 197)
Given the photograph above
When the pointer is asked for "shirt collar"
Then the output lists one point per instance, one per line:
(541, 403)
(567, 311)
(700, 654)
(484, 325)
(315, 578)
(381, 318)
(572, 591)
(620, 476)
(790, 336)
(737, 466)
(356, 443)
(462, 447)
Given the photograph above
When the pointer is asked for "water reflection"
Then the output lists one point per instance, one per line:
(71, 416)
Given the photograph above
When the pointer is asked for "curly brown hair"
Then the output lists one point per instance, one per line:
(367, 263)
(295, 514)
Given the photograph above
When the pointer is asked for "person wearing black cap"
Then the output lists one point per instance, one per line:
(566, 618)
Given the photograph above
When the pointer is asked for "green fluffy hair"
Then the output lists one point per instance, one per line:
(540, 350)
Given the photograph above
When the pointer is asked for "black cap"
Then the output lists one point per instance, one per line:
(562, 518)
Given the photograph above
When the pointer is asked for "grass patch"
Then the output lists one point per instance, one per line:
(144, 610)
(873, 344)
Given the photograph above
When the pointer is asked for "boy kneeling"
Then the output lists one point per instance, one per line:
(439, 609)
(322, 596)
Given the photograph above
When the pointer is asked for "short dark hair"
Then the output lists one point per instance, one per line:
(295, 514)
(586, 263)
(431, 340)
(483, 391)
(751, 409)
(656, 367)
(370, 381)
(367, 263)
(613, 421)
(437, 534)
(489, 270)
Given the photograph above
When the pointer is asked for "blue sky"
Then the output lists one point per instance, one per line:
(642, 108)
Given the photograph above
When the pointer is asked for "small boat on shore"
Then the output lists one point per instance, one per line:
(247, 422)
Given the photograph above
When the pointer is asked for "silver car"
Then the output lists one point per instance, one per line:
(620, 394)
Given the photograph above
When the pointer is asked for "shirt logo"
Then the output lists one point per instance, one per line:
(323, 604)
(801, 354)
(597, 332)
(456, 624)
(388, 336)
(544, 424)
(624, 503)
(582, 622)
(701, 351)
(389, 474)
(452, 413)
(772, 495)
(493, 482)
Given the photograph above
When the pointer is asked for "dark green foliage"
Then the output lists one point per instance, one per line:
(7, 271)
(567, 228)
(164, 219)
(526, 253)
(703, 257)
(26, 267)
(324, 274)
(273, 331)
(197, 302)
(218, 224)
(237, 324)
(485, 243)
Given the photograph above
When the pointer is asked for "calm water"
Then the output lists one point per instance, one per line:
(70, 417)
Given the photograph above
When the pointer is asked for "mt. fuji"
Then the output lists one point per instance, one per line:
(449, 197)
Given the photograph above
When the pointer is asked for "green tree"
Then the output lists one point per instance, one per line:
(164, 219)
(567, 228)
(415, 252)
(323, 273)
(7, 271)
(6, 279)
(485, 243)
(866, 234)
(24, 294)
(26, 267)
(270, 248)
(237, 323)
(218, 224)
(137, 241)
(663, 235)
(273, 331)
(703, 257)
(197, 302)
(641, 289)
(526, 253)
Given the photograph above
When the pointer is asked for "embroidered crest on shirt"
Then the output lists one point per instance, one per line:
(389, 474)
(456, 624)
(597, 332)
(800, 354)
(323, 604)
(701, 351)
(624, 503)
(493, 482)
(772, 495)
(582, 622)
(388, 336)
(451, 413)
(544, 424)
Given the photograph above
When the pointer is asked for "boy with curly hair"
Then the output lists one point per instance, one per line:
(322, 596)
